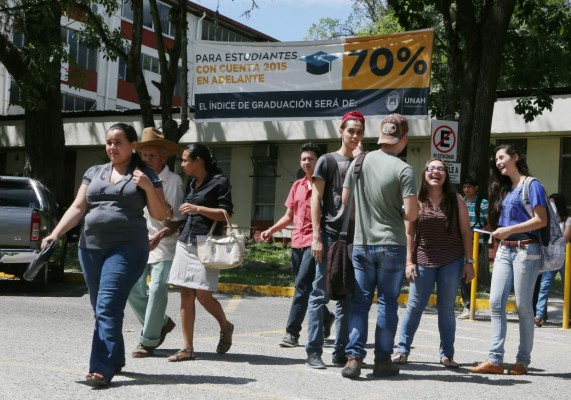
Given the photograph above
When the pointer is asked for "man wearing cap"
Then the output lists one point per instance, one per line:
(327, 219)
(150, 305)
(385, 197)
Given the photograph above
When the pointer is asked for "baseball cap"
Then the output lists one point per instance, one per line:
(393, 127)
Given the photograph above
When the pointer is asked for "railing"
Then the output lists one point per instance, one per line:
(566, 285)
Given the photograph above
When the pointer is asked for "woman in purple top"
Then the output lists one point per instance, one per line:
(439, 245)
(518, 258)
(114, 244)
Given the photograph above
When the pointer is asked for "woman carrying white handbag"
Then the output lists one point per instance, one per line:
(208, 198)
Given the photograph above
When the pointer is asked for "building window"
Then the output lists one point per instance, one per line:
(14, 93)
(151, 64)
(79, 54)
(164, 10)
(519, 144)
(74, 103)
(264, 156)
(223, 156)
(213, 31)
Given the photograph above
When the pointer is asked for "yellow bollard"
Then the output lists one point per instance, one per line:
(567, 286)
(475, 256)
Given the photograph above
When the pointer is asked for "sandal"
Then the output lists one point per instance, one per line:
(538, 322)
(178, 356)
(96, 380)
(225, 341)
(449, 362)
(399, 358)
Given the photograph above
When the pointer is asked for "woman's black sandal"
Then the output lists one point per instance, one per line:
(225, 341)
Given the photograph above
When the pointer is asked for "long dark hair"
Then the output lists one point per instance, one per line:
(196, 150)
(500, 185)
(131, 135)
(449, 196)
(560, 205)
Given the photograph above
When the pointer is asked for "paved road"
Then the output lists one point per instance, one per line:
(46, 341)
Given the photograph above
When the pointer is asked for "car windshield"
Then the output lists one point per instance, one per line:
(17, 194)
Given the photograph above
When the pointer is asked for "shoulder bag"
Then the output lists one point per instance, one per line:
(221, 252)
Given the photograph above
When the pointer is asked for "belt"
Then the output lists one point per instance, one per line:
(522, 244)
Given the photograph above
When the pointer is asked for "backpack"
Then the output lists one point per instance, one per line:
(340, 275)
(550, 236)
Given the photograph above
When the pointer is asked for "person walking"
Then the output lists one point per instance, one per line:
(327, 220)
(546, 279)
(439, 252)
(385, 196)
(149, 302)
(477, 212)
(518, 258)
(208, 198)
(114, 245)
(298, 211)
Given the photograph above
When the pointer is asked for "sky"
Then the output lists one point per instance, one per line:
(285, 20)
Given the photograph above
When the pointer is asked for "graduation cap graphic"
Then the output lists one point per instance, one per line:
(318, 63)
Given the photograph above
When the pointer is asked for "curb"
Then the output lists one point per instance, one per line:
(280, 291)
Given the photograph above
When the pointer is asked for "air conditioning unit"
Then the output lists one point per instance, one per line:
(264, 150)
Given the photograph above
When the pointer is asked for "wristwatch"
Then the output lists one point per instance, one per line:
(468, 261)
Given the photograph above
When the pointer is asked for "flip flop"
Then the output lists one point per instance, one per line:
(96, 381)
(176, 357)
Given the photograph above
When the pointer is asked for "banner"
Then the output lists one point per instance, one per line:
(376, 75)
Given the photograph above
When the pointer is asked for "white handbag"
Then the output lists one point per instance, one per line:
(221, 252)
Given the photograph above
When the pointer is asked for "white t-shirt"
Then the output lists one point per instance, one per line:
(174, 195)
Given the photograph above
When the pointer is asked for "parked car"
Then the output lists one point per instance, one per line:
(28, 213)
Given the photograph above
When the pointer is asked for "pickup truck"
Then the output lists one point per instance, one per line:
(28, 213)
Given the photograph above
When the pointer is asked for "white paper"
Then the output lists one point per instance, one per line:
(482, 231)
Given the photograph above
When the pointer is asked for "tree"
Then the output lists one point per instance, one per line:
(35, 67)
(97, 34)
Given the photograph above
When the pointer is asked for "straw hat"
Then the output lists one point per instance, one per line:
(154, 137)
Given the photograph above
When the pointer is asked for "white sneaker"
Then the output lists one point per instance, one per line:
(465, 314)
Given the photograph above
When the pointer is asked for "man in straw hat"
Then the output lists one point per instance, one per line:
(150, 306)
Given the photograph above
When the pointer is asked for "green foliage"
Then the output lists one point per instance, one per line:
(274, 253)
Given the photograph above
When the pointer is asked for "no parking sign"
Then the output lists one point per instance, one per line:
(444, 143)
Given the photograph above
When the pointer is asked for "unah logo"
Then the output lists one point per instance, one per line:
(319, 63)
(393, 100)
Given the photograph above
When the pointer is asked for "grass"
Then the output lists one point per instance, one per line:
(264, 264)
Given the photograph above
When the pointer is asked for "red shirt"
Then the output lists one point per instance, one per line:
(299, 201)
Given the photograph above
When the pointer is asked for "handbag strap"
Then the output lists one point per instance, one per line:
(230, 231)
(349, 207)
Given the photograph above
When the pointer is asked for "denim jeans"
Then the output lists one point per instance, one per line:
(110, 274)
(149, 305)
(317, 309)
(446, 277)
(303, 268)
(382, 268)
(546, 279)
(520, 267)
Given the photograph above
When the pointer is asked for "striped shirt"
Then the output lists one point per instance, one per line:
(434, 245)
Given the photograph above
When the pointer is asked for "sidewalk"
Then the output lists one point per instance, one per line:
(280, 291)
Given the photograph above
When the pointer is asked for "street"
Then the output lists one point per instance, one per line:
(46, 341)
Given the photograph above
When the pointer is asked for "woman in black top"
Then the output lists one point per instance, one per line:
(208, 196)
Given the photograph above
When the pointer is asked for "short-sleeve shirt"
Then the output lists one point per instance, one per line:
(514, 212)
(471, 206)
(174, 193)
(115, 211)
(215, 192)
(332, 206)
(299, 201)
(384, 182)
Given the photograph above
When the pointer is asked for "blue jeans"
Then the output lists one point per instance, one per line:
(303, 268)
(520, 267)
(110, 274)
(149, 305)
(317, 309)
(446, 277)
(381, 268)
(547, 279)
